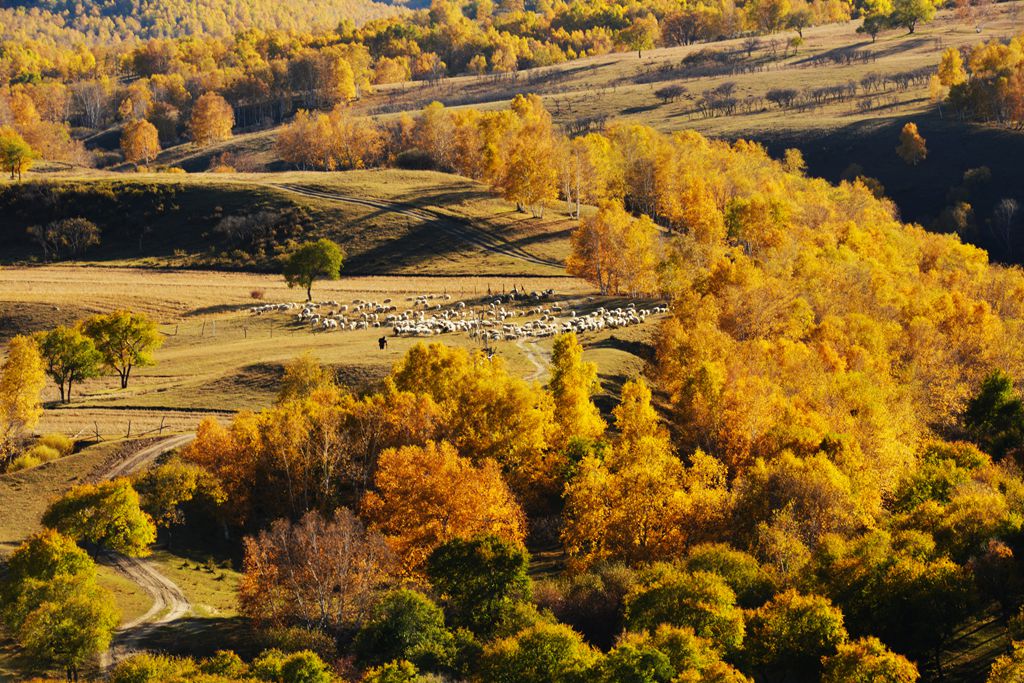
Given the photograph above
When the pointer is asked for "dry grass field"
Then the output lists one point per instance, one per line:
(217, 357)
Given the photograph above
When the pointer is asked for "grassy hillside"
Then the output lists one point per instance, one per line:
(387, 221)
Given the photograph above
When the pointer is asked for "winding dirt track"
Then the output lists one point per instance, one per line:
(455, 227)
(169, 602)
(541, 364)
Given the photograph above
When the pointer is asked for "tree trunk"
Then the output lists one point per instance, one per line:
(309, 292)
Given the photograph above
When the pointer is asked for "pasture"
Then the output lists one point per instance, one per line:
(218, 357)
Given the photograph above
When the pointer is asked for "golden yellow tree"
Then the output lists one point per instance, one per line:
(588, 171)
(912, 148)
(573, 382)
(139, 141)
(641, 503)
(212, 119)
(22, 378)
(616, 252)
(427, 495)
(527, 172)
(486, 412)
(951, 68)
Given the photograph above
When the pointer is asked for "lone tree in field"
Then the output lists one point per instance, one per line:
(124, 339)
(912, 148)
(908, 13)
(140, 142)
(311, 261)
(69, 356)
(16, 155)
(642, 34)
(212, 119)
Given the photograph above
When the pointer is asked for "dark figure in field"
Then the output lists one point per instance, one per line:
(382, 343)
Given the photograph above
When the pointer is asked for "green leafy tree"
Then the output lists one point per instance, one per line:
(792, 632)
(313, 261)
(71, 625)
(164, 489)
(52, 605)
(542, 653)
(909, 13)
(480, 580)
(399, 671)
(873, 24)
(305, 667)
(107, 514)
(995, 416)
(70, 357)
(641, 34)
(634, 664)
(751, 583)
(42, 557)
(406, 625)
(868, 661)
(701, 600)
(124, 339)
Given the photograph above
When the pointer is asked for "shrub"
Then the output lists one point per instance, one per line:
(43, 453)
(297, 639)
(62, 444)
(224, 663)
(305, 667)
(257, 293)
(222, 168)
(415, 160)
(23, 462)
(149, 668)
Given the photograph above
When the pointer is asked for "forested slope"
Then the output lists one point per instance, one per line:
(112, 21)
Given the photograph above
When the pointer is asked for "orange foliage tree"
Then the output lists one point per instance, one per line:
(427, 495)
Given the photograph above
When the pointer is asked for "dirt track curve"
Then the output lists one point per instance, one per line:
(169, 602)
(455, 227)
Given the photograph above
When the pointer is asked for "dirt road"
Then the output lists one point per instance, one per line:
(538, 357)
(169, 602)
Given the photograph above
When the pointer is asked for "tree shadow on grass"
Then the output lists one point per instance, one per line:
(199, 637)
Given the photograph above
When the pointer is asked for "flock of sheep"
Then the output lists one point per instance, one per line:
(434, 314)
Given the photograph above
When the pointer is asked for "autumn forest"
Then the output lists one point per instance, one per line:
(511, 342)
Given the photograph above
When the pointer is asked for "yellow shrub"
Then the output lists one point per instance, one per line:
(24, 462)
(60, 443)
(43, 453)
